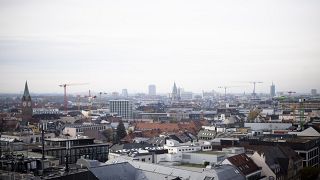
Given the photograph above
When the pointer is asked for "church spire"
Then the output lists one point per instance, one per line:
(26, 95)
(174, 90)
(26, 90)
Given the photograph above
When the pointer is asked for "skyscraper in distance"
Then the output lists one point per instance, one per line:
(272, 90)
(152, 90)
(124, 93)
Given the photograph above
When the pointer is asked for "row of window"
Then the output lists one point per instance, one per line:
(38, 139)
(91, 128)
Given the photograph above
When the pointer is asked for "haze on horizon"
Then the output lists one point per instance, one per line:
(130, 44)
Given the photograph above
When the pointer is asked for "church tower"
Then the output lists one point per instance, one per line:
(174, 94)
(26, 105)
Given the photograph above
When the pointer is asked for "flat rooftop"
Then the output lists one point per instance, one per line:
(210, 152)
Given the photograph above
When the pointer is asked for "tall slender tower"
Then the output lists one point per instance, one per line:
(26, 105)
(272, 90)
(174, 95)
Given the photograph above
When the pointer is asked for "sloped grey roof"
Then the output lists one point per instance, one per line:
(155, 171)
(308, 132)
(228, 172)
(120, 171)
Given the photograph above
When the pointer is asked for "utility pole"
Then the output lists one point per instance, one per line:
(43, 156)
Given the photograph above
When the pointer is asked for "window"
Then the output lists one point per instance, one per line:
(143, 159)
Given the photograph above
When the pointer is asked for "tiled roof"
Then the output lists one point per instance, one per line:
(277, 156)
(244, 164)
(167, 127)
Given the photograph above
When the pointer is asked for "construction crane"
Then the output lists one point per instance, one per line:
(90, 100)
(65, 93)
(100, 93)
(254, 86)
(225, 90)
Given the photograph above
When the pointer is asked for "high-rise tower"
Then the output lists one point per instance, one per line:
(272, 90)
(26, 105)
(152, 90)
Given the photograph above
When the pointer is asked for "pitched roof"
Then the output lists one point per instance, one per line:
(167, 127)
(156, 171)
(277, 156)
(308, 132)
(244, 164)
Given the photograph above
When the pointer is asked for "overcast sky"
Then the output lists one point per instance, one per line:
(130, 44)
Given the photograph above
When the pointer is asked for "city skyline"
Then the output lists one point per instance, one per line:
(200, 46)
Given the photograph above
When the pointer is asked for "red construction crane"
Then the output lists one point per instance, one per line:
(65, 93)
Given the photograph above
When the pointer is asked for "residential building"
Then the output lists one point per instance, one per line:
(246, 166)
(277, 162)
(206, 135)
(306, 147)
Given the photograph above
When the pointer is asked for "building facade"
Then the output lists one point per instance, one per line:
(272, 90)
(122, 107)
(152, 90)
(77, 148)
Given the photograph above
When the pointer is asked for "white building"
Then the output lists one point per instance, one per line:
(122, 107)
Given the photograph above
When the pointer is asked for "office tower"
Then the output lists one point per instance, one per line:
(26, 105)
(313, 92)
(124, 93)
(152, 90)
(272, 90)
(122, 107)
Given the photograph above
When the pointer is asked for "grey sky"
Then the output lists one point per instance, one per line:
(130, 44)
